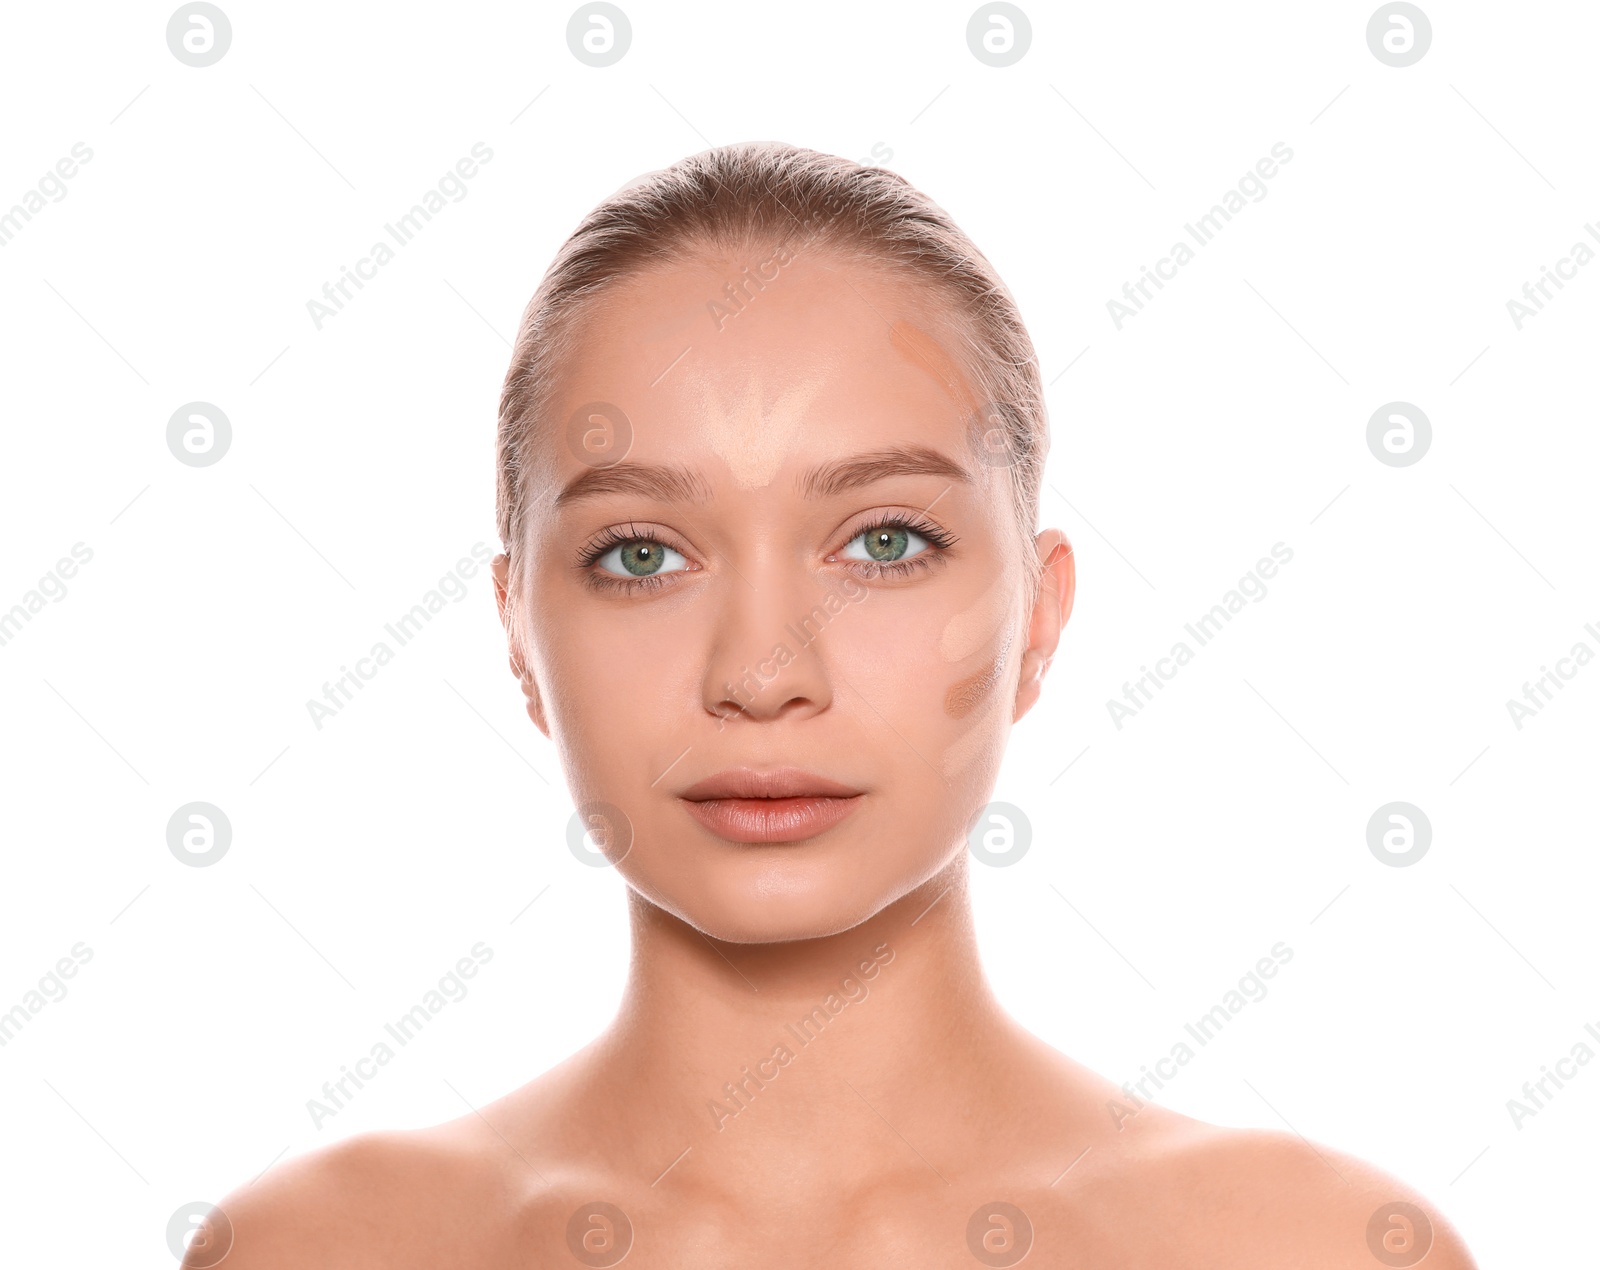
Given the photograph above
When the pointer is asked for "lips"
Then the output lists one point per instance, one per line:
(777, 782)
(777, 805)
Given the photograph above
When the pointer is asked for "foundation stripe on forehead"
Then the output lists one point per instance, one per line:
(755, 436)
(921, 349)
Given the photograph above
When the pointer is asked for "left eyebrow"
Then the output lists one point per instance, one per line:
(830, 479)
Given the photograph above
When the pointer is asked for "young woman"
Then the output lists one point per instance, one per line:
(769, 464)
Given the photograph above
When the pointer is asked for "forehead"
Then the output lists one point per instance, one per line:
(750, 363)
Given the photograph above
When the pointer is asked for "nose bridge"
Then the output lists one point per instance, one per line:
(766, 656)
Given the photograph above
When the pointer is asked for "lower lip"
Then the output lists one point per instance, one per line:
(771, 819)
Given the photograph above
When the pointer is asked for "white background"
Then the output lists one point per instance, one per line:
(1231, 414)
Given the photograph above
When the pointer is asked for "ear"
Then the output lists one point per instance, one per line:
(500, 566)
(1052, 606)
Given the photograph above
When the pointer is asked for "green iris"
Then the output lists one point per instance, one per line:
(885, 545)
(642, 558)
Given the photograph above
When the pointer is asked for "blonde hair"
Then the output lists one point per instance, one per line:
(729, 198)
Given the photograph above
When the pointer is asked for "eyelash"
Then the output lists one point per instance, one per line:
(939, 541)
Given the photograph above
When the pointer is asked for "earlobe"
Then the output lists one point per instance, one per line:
(1030, 681)
(530, 690)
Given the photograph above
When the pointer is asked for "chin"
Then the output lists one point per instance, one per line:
(770, 928)
(786, 924)
(785, 894)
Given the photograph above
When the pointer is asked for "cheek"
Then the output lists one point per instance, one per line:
(975, 625)
(613, 695)
(966, 695)
(942, 691)
(979, 703)
(930, 666)
(979, 636)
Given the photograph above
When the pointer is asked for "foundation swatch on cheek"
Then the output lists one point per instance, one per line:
(976, 625)
(966, 634)
(966, 695)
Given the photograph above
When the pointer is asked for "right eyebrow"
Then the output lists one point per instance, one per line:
(651, 480)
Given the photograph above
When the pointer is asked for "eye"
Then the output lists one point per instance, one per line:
(886, 543)
(640, 558)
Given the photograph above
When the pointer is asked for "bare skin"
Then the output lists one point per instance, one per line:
(912, 1104)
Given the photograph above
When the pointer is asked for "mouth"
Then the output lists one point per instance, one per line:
(780, 805)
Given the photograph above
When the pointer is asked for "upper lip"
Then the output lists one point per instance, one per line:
(777, 782)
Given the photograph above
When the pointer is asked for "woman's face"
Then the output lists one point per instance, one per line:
(772, 539)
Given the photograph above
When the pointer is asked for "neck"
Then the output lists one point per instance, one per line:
(763, 1055)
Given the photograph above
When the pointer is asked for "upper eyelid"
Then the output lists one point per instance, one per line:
(613, 536)
(866, 520)
(919, 523)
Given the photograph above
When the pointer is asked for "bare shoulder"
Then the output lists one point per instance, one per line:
(1272, 1199)
(1139, 1185)
(391, 1199)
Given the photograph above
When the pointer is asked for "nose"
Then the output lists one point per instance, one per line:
(769, 654)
